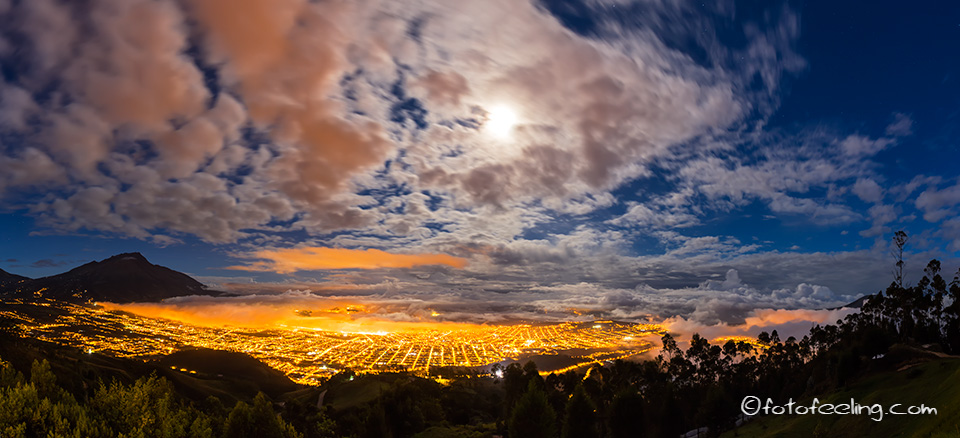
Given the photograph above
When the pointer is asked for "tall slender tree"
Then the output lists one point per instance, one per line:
(581, 416)
(899, 243)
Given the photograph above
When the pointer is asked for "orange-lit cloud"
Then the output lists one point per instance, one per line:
(795, 323)
(331, 315)
(286, 261)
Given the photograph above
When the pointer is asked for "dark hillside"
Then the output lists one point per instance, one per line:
(225, 375)
(245, 374)
(8, 278)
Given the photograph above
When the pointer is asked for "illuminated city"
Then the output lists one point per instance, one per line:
(309, 356)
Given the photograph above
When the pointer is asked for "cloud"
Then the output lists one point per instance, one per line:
(881, 215)
(472, 295)
(444, 88)
(296, 107)
(16, 107)
(286, 311)
(155, 88)
(938, 204)
(372, 315)
(29, 168)
(47, 263)
(286, 261)
(714, 308)
(809, 173)
(642, 215)
(860, 146)
(901, 126)
(868, 190)
(950, 230)
(787, 323)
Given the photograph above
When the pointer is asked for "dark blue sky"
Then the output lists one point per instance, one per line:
(553, 144)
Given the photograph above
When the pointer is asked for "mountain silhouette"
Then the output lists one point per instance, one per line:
(123, 278)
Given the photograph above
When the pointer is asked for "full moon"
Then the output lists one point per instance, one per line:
(500, 121)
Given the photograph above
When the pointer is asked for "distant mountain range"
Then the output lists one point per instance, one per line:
(856, 304)
(123, 278)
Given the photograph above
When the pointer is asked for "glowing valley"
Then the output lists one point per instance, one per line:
(310, 349)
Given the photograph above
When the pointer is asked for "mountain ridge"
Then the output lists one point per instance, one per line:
(10, 278)
(122, 278)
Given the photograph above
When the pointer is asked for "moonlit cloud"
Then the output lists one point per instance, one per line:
(291, 105)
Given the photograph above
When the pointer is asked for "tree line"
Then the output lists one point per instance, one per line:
(703, 386)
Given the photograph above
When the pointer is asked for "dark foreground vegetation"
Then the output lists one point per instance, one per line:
(899, 348)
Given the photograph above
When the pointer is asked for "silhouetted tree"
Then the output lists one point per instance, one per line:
(899, 243)
(581, 417)
(257, 421)
(533, 417)
(308, 419)
(514, 383)
(376, 425)
(951, 329)
(626, 415)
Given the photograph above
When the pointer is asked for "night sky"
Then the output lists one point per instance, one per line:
(491, 160)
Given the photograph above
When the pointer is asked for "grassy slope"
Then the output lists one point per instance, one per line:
(245, 374)
(363, 389)
(934, 384)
